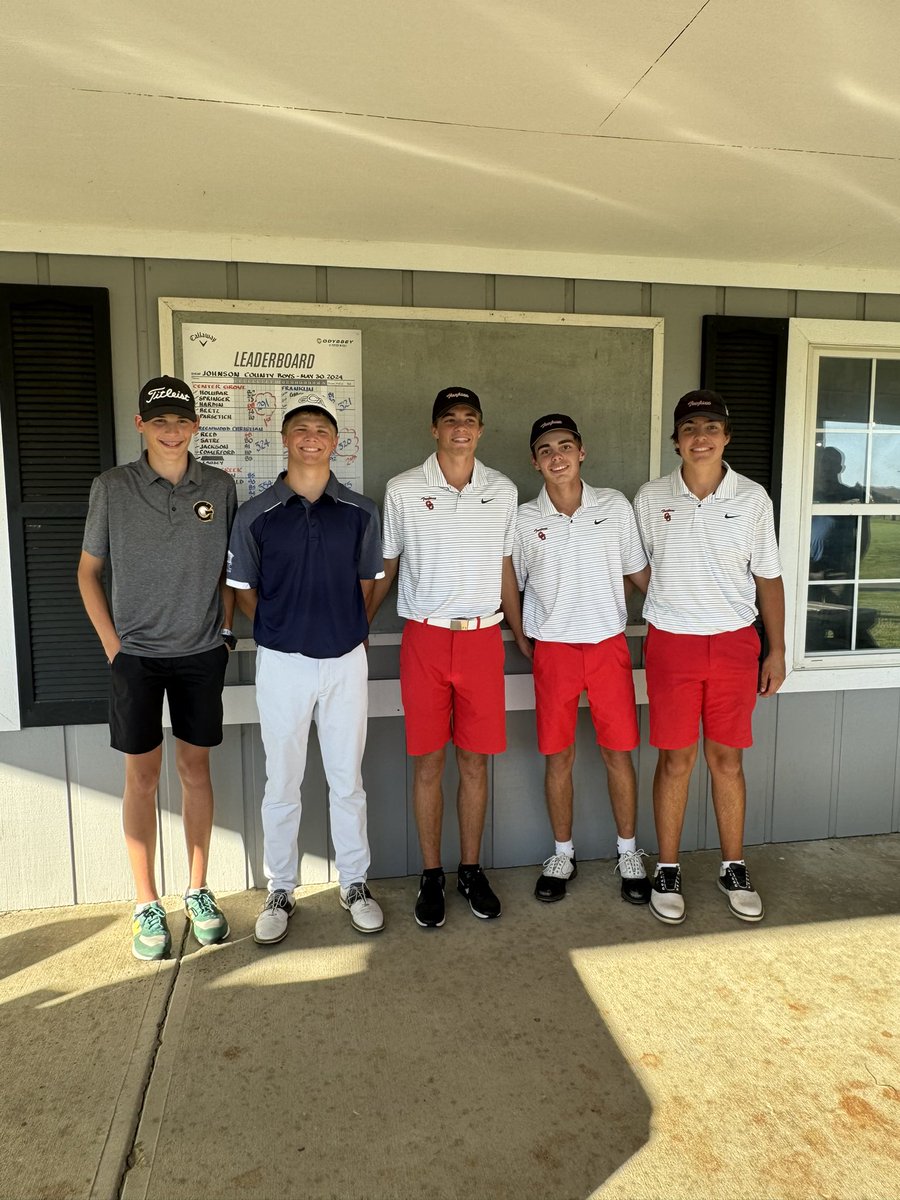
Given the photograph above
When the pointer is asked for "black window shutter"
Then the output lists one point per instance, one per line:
(56, 408)
(745, 359)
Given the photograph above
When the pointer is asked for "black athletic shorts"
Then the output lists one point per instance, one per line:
(193, 684)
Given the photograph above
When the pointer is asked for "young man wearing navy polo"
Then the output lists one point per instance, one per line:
(448, 527)
(710, 536)
(162, 523)
(303, 558)
(575, 546)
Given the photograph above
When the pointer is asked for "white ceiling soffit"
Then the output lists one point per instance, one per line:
(713, 141)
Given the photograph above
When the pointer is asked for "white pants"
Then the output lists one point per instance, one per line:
(291, 692)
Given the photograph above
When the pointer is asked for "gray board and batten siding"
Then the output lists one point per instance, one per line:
(823, 764)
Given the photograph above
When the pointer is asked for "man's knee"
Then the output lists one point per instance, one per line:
(192, 764)
(677, 764)
(560, 764)
(429, 767)
(723, 761)
(471, 766)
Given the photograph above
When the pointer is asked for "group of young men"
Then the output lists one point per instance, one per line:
(306, 561)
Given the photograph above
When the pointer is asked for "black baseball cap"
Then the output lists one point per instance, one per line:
(449, 397)
(552, 421)
(166, 394)
(700, 403)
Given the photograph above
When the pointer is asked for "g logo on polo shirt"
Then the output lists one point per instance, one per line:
(204, 510)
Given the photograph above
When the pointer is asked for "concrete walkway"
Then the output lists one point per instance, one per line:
(570, 1050)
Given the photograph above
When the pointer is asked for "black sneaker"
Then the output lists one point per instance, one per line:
(558, 870)
(429, 911)
(472, 883)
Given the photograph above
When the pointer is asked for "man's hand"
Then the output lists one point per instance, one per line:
(771, 673)
(526, 646)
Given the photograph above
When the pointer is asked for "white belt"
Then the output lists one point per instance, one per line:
(460, 624)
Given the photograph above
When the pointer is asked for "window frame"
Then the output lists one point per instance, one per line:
(808, 341)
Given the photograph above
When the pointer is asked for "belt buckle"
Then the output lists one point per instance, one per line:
(459, 625)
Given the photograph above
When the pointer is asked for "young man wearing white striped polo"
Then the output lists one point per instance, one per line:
(448, 527)
(710, 536)
(575, 546)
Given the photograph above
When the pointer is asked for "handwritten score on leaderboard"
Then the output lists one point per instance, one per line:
(241, 410)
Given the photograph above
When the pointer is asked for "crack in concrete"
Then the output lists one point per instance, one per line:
(132, 1156)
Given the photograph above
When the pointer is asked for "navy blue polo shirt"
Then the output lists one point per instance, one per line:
(305, 561)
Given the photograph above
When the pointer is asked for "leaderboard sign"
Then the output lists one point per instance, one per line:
(245, 377)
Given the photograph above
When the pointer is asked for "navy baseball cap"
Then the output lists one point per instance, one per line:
(449, 397)
(166, 394)
(700, 403)
(552, 421)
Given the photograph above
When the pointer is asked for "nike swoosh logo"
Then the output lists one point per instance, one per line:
(489, 501)
(600, 522)
(732, 516)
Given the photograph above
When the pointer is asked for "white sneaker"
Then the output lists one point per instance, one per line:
(666, 900)
(743, 901)
(365, 913)
(271, 924)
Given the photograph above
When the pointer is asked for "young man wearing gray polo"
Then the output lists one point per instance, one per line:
(710, 536)
(162, 524)
(575, 547)
(448, 528)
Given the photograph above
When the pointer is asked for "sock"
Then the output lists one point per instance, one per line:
(139, 908)
(567, 848)
(626, 845)
(660, 865)
(433, 872)
(728, 862)
(468, 866)
(194, 891)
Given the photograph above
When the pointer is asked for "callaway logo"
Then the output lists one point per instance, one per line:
(204, 510)
(166, 393)
(202, 338)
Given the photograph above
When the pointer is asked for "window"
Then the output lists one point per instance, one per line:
(842, 491)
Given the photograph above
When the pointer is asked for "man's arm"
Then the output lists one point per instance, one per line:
(380, 587)
(639, 579)
(511, 603)
(227, 603)
(770, 599)
(96, 605)
(246, 600)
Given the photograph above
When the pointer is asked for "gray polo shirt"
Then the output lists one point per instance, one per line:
(166, 548)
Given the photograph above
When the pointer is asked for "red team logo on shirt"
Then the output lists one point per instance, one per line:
(428, 501)
(541, 534)
(667, 514)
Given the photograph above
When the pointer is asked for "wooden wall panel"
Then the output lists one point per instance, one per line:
(870, 729)
(35, 844)
(96, 781)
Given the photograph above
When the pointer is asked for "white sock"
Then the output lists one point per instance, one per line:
(626, 845)
(731, 862)
(139, 908)
(566, 848)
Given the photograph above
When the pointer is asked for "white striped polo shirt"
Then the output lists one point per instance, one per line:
(571, 568)
(704, 553)
(451, 544)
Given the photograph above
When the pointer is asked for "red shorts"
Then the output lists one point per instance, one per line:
(562, 671)
(452, 687)
(691, 676)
